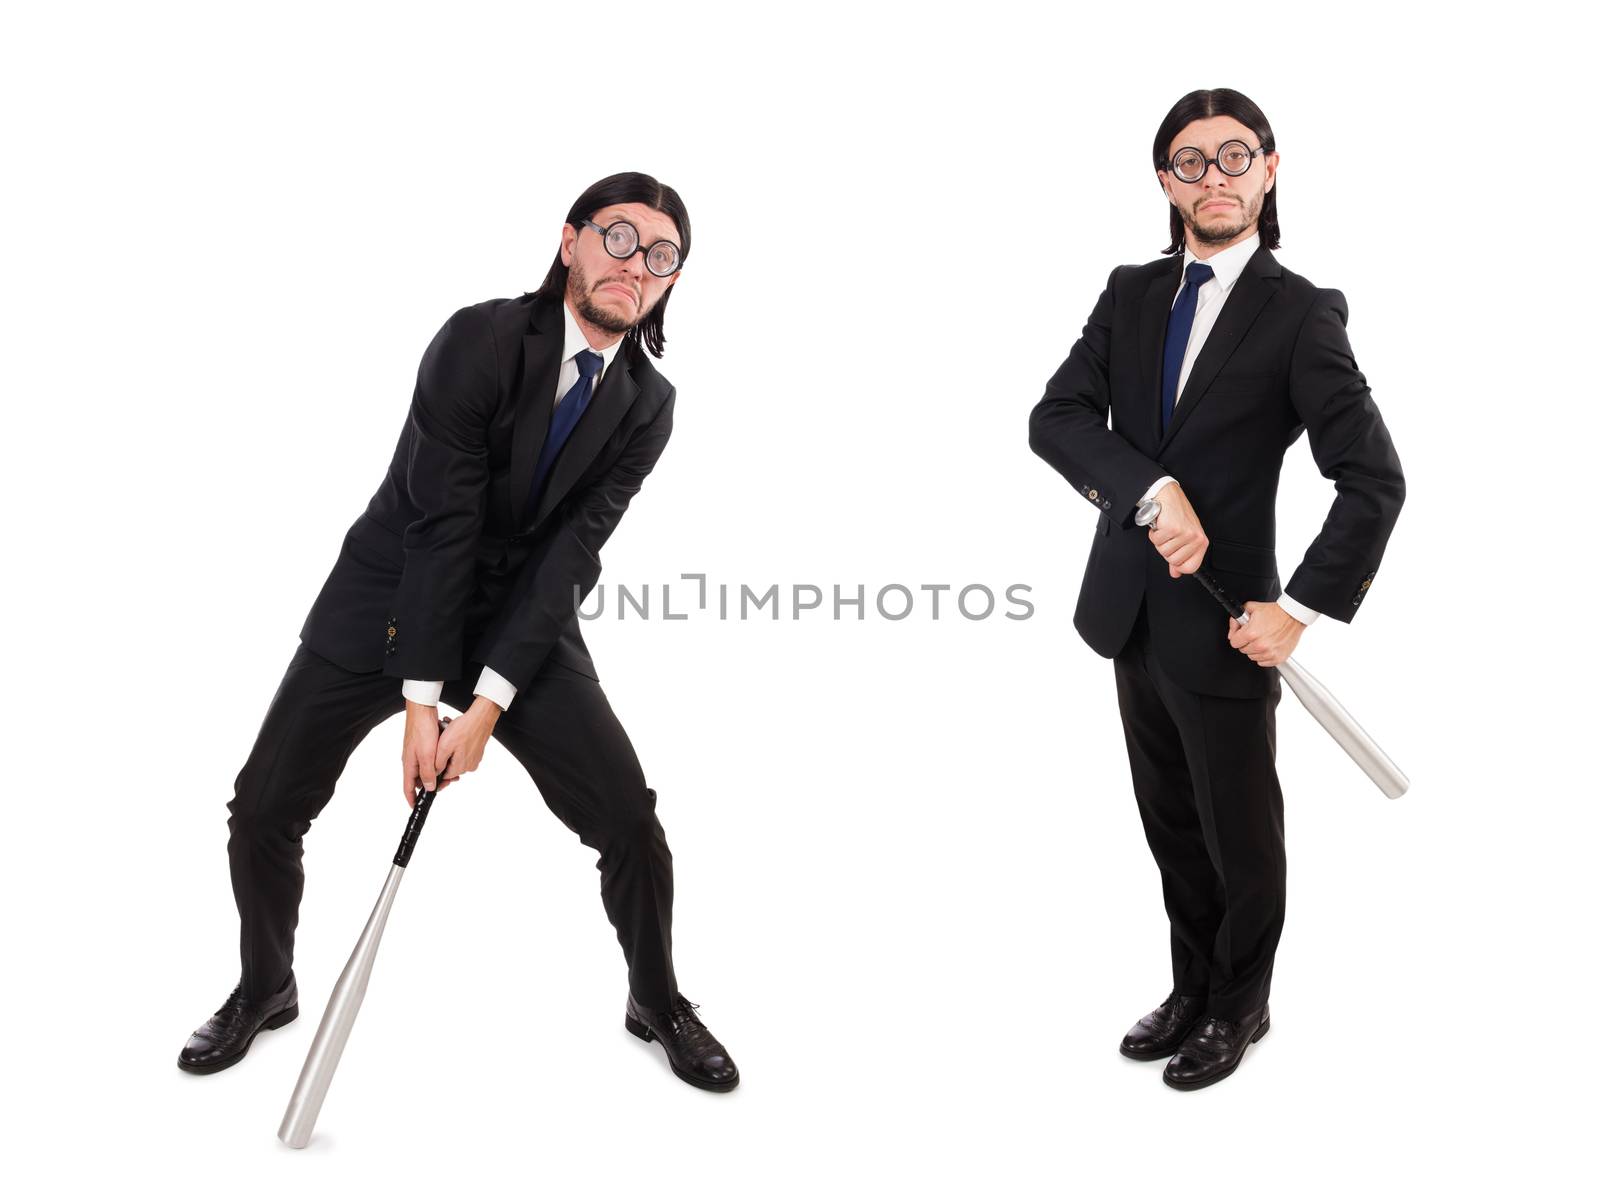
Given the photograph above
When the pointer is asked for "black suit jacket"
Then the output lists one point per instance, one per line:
(1276, 362)
(446, 568)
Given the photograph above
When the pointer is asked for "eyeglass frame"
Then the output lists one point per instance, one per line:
(638, 247)
(1208, 163)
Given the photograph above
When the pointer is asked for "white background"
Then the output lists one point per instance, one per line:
(913, 894)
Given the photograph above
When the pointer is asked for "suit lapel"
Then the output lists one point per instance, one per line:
(599, 420)
(1152, 341)
(1239, 312)
(536, 399)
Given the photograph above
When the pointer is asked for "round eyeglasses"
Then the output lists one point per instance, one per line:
(1233, 159)
(622, 241)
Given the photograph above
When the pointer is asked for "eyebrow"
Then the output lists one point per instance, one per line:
(1244, 141)
(644, 237)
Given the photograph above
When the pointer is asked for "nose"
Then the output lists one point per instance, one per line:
(634, 263)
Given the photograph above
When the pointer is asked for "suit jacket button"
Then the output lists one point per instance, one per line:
(1094, 495)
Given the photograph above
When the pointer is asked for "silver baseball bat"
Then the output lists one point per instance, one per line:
(340, 1016)
(1313, 694)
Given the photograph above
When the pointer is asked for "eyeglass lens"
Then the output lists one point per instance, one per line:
(622, 240)
(1233, 158)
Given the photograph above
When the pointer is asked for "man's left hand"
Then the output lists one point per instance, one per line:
(462, 743)
(1269, 638)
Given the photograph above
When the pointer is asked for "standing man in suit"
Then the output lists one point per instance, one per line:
(1210, 365)
(533, 424)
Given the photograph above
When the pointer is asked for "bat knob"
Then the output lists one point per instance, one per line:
(1149, 511)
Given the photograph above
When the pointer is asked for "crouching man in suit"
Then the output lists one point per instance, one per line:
(1210, 364)
(534, 423)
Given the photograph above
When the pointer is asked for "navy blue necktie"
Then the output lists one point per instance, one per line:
(567, 413)
(1178, 325)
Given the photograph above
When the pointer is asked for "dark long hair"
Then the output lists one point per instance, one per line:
(625, 188)
(1219, 101)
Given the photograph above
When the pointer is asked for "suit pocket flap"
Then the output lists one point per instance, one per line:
(1242, 558)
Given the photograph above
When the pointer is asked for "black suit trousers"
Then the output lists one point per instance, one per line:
(1205, 779)
(559, 727)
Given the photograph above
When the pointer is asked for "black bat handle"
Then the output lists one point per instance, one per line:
(1203, 575)
(1146, 516)
(419, 814)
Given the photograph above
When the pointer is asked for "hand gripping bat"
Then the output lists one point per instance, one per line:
(1324, 707)
(340, 1016)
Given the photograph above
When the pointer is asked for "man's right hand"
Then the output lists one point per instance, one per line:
(421, 745)
(1177, 533)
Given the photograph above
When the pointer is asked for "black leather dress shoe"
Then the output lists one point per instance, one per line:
(1160, 1032)
(226, 1037)
(1214, 1049)
(695, 1055)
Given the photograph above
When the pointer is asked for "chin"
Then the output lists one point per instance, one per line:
(605, 315)
(1221, 231)
(618, 309)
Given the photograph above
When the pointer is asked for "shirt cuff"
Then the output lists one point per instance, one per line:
(1295, 610)
(423, 692)
(495, 687)
(1156, 488)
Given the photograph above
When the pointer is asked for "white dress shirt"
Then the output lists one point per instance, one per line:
(1226, 267)
(490, 683)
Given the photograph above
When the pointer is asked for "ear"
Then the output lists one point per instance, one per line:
(1272, 170)
(569, 241)
(1161, 177)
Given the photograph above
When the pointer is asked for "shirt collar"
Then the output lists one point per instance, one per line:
(574, 342)
(1230, 263)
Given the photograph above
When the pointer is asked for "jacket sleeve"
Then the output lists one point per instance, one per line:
(1068, 427)
(552, 582)
(1352, 448)
(446, 479)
